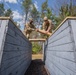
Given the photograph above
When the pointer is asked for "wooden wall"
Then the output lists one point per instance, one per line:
(60, 50)
(16, 51)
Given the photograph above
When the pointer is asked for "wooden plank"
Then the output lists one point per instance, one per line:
(61, 67)
(64, 62)
(61, 41)
(11, 62)
(55, 69)
(73, 25)
(14, 68)
(61, 35)
(62, 28)
(65, 47)
(3, 31)
(4, 18)
(37, 40)
(64, 55)
(16, 31)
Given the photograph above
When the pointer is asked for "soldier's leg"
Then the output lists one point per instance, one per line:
(25, 32)
(28, 35)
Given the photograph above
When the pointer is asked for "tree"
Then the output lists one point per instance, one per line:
(2, 9)
(3, 12)
(65, 9)
(26, 4)
(8, 13)
(49, 13)
(44, 9)
(34, 13)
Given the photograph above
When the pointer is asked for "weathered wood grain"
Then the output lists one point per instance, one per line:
(16, 51)
(60, 49)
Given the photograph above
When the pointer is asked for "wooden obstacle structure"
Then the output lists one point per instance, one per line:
(59, 49)
(15, 49)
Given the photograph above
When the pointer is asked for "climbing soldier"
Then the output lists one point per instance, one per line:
(29, 27)
(47, 27)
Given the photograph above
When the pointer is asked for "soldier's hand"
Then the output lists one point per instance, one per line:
(37, 30)
(33, 29)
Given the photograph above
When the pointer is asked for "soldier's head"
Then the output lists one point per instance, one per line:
(45, 19)
(31, 20)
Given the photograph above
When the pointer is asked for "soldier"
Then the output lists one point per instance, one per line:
(47, 27)
(29, 27)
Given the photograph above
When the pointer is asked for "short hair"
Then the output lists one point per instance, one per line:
(45, 18)
(31, 19)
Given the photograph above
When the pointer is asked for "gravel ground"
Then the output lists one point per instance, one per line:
(36, 68)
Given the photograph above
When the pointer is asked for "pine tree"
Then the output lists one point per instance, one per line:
(2, 9)
(26, 4)
(8, 13)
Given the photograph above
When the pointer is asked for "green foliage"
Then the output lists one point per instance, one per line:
(65, 11)
(3, 12)
(8, 13)
(2, 9)
(45, 6)
(26, 4)
(36, 48)
(49, 13)
(44, 9)
(34, 13)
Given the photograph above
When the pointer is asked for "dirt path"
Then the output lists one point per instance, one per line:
(36, 68)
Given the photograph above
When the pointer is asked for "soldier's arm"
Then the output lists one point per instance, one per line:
(50, 26)
(44, 32)
(43, 26)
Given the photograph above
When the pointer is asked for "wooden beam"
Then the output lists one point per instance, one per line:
(5, 18)
(37, 40)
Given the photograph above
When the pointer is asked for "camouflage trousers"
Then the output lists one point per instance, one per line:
(27, 33)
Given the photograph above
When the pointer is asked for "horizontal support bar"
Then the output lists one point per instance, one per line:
(37, 40)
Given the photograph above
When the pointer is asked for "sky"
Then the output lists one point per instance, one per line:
(15, 6)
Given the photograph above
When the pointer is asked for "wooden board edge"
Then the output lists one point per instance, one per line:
(4, 18)
(46, 70)
(69, 17)
(36, 40)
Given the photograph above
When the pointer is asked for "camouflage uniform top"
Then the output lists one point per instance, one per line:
(47, 25)
(29, 27)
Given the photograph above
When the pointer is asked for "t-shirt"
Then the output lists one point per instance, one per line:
(29, 26)
(47, 25)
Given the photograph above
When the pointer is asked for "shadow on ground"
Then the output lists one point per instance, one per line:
(36, 68)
